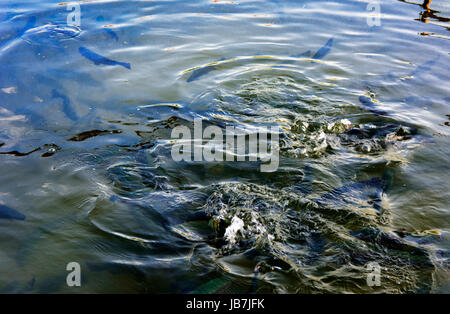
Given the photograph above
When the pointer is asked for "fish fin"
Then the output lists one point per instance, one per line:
(9, 213)
(125, 65)
(322, 52)
(369, 105)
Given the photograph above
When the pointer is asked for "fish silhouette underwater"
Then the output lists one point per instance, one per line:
(9, 213)
(369, 105)
(101, 60)
(320, 54)
(370, 191)
(66, 106)
(106, 29)
(324, 51)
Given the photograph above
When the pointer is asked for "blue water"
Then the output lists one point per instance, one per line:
(86, 113)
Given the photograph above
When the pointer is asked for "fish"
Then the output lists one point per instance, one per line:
(389, 241)
(9, 213)
(371, 190)
(88, 134)
(29, 25)
(197, 73)
(98, 59)
(20, 154)
(66, 106)
(369, 105)
(111, 33)
(322, 52)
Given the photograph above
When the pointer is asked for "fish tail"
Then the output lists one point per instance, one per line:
(125, 65)
(322, 52)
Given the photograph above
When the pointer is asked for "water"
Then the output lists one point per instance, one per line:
(85, 147)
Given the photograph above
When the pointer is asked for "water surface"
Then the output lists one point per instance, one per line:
(86, 115)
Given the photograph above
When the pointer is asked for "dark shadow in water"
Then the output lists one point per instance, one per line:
(9, 213)
(88, 134)
(101, 60)
(19, 154)
(50, 150)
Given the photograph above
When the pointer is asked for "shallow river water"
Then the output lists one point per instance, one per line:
(359, 91)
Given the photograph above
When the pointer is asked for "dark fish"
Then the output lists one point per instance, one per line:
(30, 24)
(98, 59)
(9, 213)
(366, 101)
(50, 150)
(67, 108)
(388, 240)
(85, 135)
(111, 33)
(369, 105)
(197, 73)
(350, 194)
(322, 52)
(19, 154)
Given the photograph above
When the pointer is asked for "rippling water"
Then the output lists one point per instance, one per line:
(87, 174)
